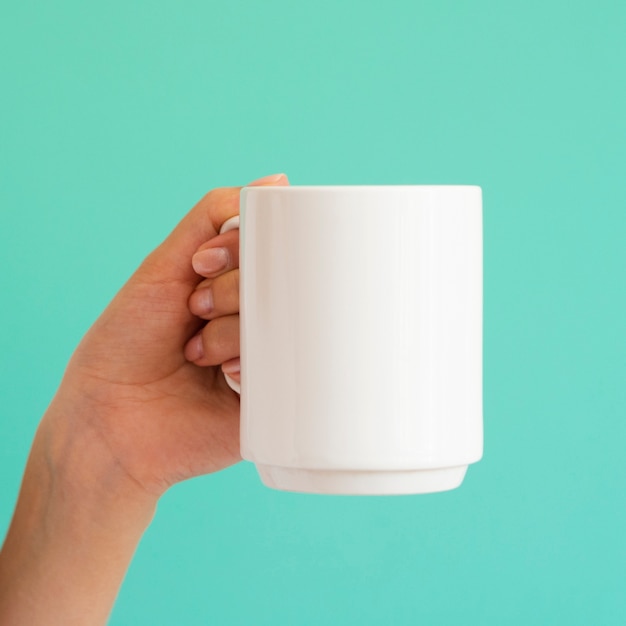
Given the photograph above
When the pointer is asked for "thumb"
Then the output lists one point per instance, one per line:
(171, 261)
(278, 180)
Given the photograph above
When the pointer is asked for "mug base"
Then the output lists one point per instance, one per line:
(362, 483)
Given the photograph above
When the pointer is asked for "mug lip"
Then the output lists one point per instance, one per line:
(285, 188)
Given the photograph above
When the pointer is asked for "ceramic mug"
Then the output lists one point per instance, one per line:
(361, 336)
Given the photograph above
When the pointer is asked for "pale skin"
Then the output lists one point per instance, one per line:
(143, 405)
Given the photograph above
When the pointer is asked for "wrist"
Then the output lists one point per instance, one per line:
(77, 523)
(81, 463)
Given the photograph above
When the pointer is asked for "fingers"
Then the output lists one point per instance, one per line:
(216, 297)
(170, 261)
(219, 255)
(216, 343)
(233, 369)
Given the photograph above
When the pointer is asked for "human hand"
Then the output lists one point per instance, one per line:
(142, 397)
(134, 414)
(215, 297)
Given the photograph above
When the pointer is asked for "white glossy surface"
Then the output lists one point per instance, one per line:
(361, 335)
(361, 483)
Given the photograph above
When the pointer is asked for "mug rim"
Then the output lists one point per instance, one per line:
(283, 189)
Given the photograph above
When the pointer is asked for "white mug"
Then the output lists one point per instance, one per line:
(361, 336)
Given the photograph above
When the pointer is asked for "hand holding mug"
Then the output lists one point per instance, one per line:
(361, 331)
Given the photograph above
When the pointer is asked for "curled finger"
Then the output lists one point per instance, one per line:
(216, 343)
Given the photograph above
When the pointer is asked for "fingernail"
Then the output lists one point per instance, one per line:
(268, 180)
(210, 261)
(194, 349)
(204, 301)
(232, 367)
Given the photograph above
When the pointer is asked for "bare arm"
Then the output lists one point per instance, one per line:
(142, 406)
(76, 526)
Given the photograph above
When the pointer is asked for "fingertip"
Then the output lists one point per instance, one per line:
(201, 303)
(232, 367)
(235, 377)
(209, 261)
(194, 349)
(279, 180)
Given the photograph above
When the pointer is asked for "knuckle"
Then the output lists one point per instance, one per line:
(221, 196)
(216, 194)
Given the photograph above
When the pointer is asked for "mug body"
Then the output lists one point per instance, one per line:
(361, 336)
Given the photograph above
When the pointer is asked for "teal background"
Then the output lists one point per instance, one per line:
(116, 117)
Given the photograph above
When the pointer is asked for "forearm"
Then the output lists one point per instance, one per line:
(76, 526)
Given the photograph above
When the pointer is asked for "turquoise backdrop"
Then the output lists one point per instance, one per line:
(116, 117)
